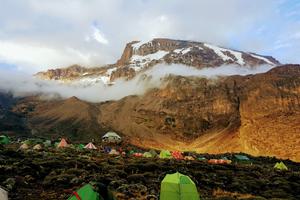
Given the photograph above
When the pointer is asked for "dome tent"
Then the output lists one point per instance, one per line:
(4, 139)
(178, 187)
(86, 192)
(111, 137)
(24, 146)
(147, 155)
(165, 154)
(3, 194)
(38, 147)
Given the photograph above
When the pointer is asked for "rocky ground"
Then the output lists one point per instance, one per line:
(54, 174)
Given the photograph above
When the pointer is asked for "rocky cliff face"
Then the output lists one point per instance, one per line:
(138, 57)
(257, 114)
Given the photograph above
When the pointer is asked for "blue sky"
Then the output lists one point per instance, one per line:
(37, 35)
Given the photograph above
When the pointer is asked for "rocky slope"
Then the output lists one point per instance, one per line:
(138, 57)
(257, 114)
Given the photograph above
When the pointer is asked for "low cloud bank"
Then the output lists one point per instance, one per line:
(20, 84)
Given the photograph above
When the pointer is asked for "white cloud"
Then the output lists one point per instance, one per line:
(39, 57)
(99, 36)
(26, 85)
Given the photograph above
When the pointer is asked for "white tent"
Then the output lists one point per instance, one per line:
(90, 146)
(114, 152)
(24, 146)
(37, 147)
(111, 137)
(3, 194)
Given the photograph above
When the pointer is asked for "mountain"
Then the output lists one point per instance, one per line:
(138, 57)
(257, 114)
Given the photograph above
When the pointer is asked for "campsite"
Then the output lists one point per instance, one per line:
(62, 170)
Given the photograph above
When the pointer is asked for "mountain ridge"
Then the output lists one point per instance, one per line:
(138, 57)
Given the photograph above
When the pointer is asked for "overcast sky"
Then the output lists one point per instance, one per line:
(40, 34)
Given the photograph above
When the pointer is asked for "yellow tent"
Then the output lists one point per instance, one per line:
(280, 166)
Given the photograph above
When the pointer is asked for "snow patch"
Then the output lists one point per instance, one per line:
(154, 56)
(110, 71)
(238, 56)
(137, 45)
(138, 62)
(186, 50)
(262, 58)
(183, 50)
(219, 51)
(178, 50)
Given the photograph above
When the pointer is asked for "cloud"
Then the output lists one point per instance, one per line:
(99, 37)
(38, 56)
(25, 85)
(57, 26)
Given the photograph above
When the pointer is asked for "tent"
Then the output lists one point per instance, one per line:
(114, 152)
(165, 154)
(37, 147)
(153, 152)
(177, 155)
(147, 155)
(47, 143)
(4, 139)
(280, 166)
(24, 146)
(242, 159)
(63, 143)
(90, 146)
(111, 137)
(80, 146)
(137, 154)
(32, 141)
(202, 158)
(3, 194)
(189, 158)
(107, 149)
(86, 192)
(219, 161)
(178, 187)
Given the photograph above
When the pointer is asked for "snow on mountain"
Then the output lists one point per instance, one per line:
(139, 56)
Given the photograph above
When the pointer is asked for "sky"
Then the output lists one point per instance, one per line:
(36, 35)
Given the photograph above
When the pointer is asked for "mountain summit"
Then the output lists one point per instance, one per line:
(139, 56)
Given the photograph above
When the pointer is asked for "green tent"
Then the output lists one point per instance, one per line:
(80, 146)
(147, 155)
(242, 159)
(165, 154)
(280, 166)
(4, 139)
(85, 193)
(178, 187)
(201, 158)
(47, 143)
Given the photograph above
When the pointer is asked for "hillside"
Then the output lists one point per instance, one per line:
(256, 114)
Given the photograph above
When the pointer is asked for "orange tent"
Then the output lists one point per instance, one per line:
(177, 155)
(90, 146)
(219, 161)
(63, 143)
(137, 155)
